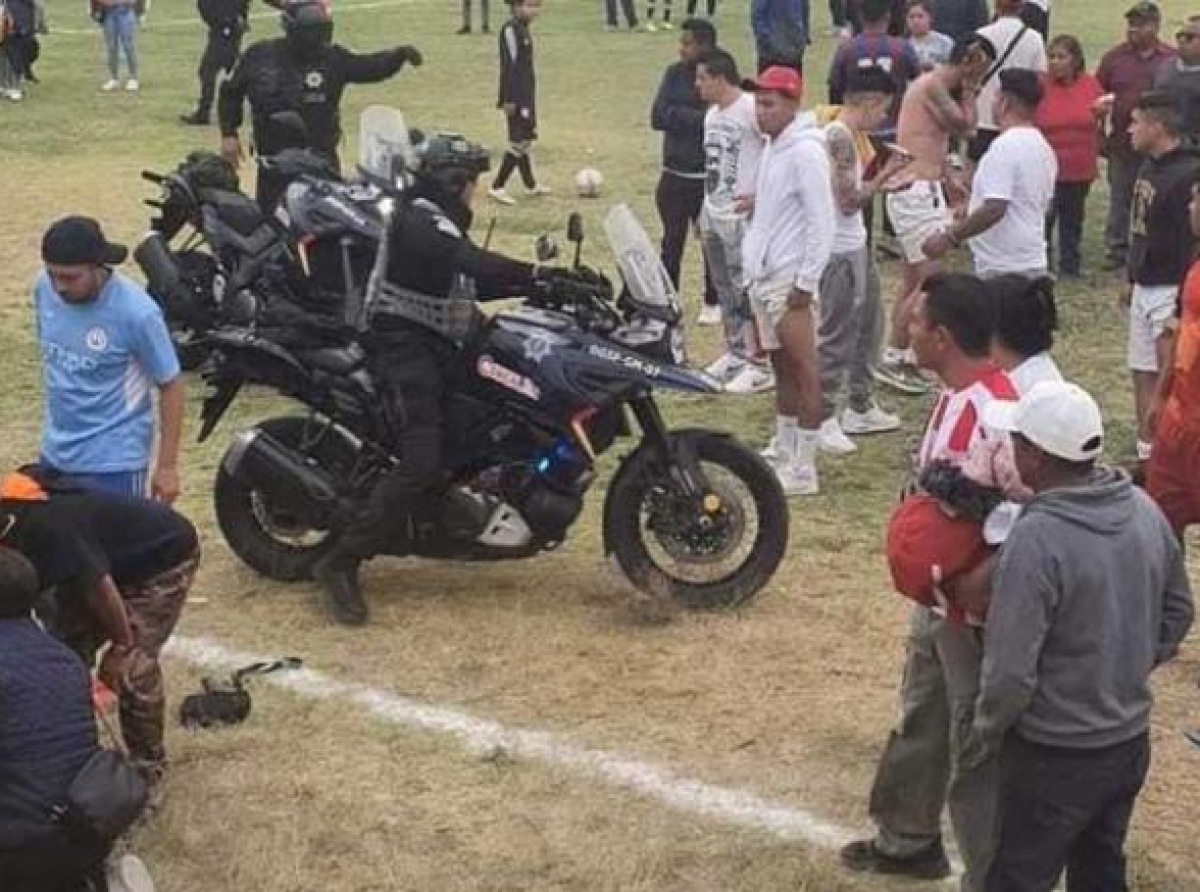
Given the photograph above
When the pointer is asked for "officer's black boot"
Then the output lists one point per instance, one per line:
(341, 595)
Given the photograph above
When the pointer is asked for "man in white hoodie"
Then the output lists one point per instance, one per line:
(787, 246)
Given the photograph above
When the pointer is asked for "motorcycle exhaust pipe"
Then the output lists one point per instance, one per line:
(291, 485)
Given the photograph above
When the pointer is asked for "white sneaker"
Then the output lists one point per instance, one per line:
(770, 453)
(710, 314)
(651, 27)
(132, 86)
(753, 378)
(872, 421)
(832, 439)
(798, 479)
(539, 189)
(14, 95)
(726, 366)
(128, 874)
(111, 84)
(501, 196)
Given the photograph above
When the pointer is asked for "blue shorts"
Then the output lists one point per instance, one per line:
(131, 484)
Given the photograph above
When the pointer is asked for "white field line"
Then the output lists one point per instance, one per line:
(153, 24)
(728, 806)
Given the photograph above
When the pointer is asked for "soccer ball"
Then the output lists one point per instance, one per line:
(588, 182)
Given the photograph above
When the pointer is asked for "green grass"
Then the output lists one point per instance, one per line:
(791, 696)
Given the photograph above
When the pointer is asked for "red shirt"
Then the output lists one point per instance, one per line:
(1066, 119)
(1183, 406)
(1125, 73)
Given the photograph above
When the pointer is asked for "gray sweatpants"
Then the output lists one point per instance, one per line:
(851, 327)
(1122, 170)
(922, 766)
(722, 242)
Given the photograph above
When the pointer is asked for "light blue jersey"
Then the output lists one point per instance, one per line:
(100, 362)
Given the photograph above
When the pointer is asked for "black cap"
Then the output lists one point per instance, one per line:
(74, 241)
(1143, 11)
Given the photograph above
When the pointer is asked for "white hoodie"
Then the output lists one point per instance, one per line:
(790, 236)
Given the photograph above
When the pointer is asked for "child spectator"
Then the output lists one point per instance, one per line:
(932, 47)
(1067, 116)
(518, 100)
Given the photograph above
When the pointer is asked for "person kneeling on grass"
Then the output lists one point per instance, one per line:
(120, 569)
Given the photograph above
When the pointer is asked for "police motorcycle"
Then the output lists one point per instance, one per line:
(212, 255)
(536, 395)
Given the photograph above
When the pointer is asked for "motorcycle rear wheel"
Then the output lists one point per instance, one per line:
(664, 543)
(263, 537)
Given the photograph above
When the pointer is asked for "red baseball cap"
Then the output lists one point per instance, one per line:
(777, 79)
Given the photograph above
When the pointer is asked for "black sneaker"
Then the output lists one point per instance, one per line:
(195, 119)
(930, 864)
(341, 594)
(465, 29)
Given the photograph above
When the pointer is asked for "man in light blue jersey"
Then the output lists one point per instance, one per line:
(105, 348)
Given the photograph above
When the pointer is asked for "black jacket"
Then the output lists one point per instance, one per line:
(679, 113)
(518, 83)
(47, 731)
(1160, 236)
(275, 79)
(226, 18)
(430, 252)
(954, 18)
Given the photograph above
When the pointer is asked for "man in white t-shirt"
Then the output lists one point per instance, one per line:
(1017, 46)
(1011, 191)
(733, 146)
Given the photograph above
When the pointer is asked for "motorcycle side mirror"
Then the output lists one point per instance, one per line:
(545, 248)
(575, 228)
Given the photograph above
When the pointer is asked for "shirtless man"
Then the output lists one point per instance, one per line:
(938, 105)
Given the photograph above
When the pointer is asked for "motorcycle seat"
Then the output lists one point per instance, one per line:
(237, 211)
(337, 360)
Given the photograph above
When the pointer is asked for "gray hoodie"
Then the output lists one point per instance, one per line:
(1089, 595)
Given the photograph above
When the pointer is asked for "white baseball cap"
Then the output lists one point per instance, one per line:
(1058, 417)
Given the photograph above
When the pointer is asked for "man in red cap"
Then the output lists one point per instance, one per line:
(788, 243)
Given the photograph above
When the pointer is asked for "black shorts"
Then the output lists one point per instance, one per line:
(522, 126)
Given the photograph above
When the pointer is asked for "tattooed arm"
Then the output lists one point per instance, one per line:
(957, 117)
(849, 195)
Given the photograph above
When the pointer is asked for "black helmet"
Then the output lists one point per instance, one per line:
(307, 24)
(449, 160)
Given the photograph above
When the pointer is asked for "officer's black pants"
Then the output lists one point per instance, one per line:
(220, 54)
(410, 372)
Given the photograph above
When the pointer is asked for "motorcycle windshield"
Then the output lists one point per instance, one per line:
(638, 260)
(385, 151)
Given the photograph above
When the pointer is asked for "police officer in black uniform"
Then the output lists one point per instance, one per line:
(227, 21)
(303, 72)
(430, 253)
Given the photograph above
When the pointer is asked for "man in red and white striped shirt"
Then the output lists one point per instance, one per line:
(920, 772)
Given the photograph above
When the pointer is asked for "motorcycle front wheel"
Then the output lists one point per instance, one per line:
(716, 549)
(264, 534)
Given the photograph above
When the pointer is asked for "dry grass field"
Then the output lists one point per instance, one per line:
(789, 698)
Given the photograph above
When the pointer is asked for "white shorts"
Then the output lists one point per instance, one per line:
(1151, 309)
(768, 304)
(917, 213)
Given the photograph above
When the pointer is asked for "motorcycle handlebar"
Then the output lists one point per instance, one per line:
(156, 178)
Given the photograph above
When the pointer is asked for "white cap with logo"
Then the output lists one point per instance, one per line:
(1058, 417)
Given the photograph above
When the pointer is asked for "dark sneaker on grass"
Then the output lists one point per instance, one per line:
(863, 857)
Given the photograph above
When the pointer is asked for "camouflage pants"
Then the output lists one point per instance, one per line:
(154, 607)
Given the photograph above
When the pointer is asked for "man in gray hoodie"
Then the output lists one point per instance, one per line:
(1090, 594)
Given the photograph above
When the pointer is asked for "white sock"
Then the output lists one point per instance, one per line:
(785, 434)
(806, 446)
(893, 356)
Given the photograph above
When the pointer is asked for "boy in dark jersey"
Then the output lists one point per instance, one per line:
(518, 100)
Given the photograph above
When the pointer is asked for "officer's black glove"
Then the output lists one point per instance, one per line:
(410, 55)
